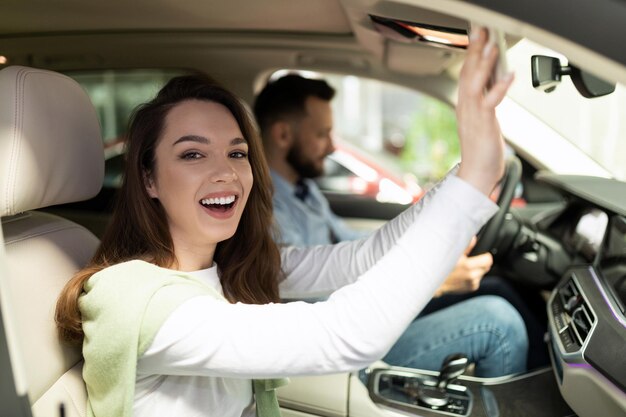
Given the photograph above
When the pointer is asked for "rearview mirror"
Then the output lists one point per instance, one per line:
(547, 72)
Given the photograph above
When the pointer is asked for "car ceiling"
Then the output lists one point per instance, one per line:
(234, 41)
(268, 15)
(237, 41)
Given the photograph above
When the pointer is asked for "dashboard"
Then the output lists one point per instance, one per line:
(573, 248)
(586, 309)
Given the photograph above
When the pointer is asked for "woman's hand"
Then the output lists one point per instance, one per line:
(482, 146)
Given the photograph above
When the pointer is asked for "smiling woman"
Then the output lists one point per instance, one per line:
(188, 145)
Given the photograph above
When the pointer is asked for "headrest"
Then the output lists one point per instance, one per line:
(51, 148)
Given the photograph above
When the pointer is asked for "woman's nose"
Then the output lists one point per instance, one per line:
(222, 171)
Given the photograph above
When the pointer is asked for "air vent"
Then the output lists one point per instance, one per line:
(582, 321)
(572, 316)
(570, 296)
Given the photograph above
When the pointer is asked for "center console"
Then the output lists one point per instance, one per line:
(406, 390)
(531, 394)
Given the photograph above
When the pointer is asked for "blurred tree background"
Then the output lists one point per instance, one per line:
(432, 143)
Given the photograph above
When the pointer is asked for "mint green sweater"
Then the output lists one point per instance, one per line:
(122, 309)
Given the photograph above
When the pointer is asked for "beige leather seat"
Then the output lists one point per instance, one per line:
(50, 153)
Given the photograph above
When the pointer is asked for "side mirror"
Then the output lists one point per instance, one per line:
(547, 72)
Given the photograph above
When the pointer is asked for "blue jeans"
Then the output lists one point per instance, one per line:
(487, 329)
(526, 300)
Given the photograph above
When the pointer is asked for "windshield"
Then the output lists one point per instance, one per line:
(596, 126)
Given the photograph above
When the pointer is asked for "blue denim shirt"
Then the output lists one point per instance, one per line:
(309, 222)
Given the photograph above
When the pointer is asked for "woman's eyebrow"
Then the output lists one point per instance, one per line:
(205, 141)
(238, 141)
(192, 138)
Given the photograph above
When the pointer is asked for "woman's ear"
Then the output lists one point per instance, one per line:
(149, 184)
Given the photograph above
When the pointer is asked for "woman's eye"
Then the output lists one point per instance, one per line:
(191, 155)
(239, 154)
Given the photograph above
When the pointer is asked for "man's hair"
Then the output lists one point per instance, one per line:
(284, 99)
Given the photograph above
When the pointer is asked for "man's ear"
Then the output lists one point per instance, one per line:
(282, 134)
(149, 184)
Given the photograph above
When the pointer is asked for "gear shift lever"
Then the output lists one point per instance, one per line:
(452, 367)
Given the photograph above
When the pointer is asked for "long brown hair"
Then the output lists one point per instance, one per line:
(249, 261)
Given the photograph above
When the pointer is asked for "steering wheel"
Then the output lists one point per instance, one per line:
(488, 235)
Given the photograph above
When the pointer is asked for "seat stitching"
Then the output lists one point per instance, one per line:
(58, 229)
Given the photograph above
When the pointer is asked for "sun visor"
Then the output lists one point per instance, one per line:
(417, 59)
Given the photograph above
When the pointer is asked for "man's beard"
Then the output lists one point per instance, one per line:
(304, 166)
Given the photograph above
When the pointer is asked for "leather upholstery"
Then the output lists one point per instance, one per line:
(50, 153)
(45, 121)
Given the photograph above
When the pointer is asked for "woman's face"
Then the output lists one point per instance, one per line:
(202, 175)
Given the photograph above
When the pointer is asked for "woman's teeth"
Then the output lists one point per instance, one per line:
(221, 201)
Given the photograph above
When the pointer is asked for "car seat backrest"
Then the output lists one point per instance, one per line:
(50, 153)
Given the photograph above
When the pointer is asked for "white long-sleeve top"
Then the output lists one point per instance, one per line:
(204, 355)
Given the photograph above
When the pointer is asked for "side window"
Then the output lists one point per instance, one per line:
(392, 142)
(115, 94)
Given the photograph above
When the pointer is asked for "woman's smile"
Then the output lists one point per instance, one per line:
(220, 206)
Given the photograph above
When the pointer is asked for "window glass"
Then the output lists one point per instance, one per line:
(115, 94)
(596, 126)
(392, 142)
